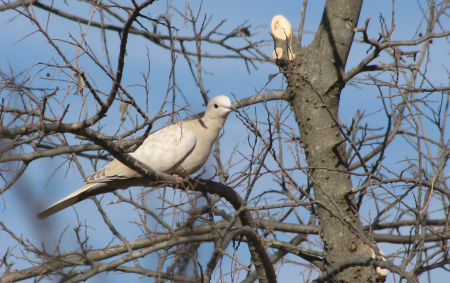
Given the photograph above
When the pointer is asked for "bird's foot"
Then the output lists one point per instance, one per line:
(178, 177)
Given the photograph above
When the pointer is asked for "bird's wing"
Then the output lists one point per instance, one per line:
(162, 151)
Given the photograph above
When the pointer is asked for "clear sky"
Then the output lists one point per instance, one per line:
(49, 180)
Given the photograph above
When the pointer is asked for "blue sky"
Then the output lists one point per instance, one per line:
(48, 180)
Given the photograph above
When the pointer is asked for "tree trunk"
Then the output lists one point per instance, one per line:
(315, 82)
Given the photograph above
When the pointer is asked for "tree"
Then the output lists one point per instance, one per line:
(298, 185)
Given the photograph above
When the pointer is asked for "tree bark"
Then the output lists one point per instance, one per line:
(315, 80)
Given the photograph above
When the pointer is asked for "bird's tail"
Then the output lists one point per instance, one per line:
(79, 195)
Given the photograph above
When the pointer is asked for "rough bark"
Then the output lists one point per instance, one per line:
(315, 81)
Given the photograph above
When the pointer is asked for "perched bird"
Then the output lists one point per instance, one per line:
(180, 149)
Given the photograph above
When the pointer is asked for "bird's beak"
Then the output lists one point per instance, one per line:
(233, 109)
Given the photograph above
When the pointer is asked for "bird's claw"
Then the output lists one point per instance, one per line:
(178, 177)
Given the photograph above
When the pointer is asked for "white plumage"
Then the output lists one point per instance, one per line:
(180, 149)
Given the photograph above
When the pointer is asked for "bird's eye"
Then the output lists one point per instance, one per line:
(216, 105)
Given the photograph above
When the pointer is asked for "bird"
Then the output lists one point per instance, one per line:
(180, 149)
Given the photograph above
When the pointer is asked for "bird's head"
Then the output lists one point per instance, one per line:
(219, 107)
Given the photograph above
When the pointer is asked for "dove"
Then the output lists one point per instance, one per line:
(179, 149)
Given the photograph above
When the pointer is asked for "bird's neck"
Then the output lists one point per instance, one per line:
(213, 124)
